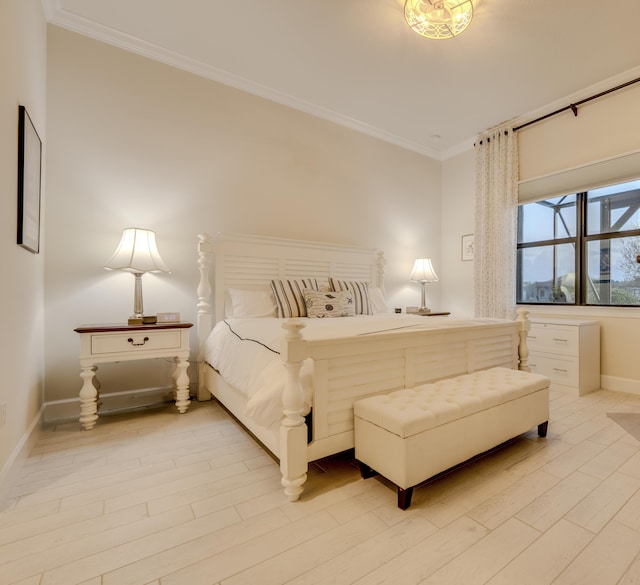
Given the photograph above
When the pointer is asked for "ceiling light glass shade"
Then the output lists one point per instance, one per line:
(137, 252)
(423, 271)
(438, 19)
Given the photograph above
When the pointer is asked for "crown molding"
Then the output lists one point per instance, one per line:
(464, 146)
(57, 16)
(50, 9)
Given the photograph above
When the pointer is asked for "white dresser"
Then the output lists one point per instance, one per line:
(567, 351)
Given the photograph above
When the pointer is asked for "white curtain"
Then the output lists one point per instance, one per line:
(496, 212)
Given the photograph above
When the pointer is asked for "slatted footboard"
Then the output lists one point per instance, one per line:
(349, 370)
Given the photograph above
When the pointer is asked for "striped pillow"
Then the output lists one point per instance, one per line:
(360, 290)
(289, 296)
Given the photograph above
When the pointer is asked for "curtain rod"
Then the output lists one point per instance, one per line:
(574, 107)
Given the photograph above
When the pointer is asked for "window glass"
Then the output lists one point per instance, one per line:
(581, 249)
(613, 271)
(548, 220)
(547, 274)
(613, 209)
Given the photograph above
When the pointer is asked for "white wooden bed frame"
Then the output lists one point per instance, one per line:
(344, 369)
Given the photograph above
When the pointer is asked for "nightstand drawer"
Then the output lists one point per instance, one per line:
(134, 341)
(557, 339)
(561, 371)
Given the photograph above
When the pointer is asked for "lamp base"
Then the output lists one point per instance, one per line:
(423, 311)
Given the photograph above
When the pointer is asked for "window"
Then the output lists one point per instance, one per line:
(581, 249)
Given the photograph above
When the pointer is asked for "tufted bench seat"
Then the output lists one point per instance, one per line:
(411, 435)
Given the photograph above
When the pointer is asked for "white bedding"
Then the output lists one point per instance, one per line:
(246, 352)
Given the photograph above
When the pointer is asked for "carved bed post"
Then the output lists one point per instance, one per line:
(523, 331)
(204, 308)
(293, 430)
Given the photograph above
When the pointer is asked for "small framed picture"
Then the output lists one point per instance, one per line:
(29, 165)
(467, 247)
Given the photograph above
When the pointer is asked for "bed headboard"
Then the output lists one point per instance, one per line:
(243, 261)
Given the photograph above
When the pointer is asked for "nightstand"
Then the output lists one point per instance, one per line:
(119, 343)
(567, 351)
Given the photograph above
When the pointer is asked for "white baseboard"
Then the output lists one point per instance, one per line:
(620, 384)
(11, 468)
(58, 411)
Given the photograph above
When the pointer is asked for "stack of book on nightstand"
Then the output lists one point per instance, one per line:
(146, 320)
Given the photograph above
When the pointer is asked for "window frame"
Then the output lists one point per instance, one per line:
(580, 242)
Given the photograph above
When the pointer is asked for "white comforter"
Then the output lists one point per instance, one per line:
(246, 352)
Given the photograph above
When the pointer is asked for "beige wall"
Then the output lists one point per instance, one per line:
(133, 142)
(458, 188)
(23, 37)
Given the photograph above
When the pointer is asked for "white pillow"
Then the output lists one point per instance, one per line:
(250, 303)
(378, 304)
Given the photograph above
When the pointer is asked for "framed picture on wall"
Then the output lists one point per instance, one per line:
(467, 247)
(29, 176)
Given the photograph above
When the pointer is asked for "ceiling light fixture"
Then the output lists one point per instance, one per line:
(438, 19)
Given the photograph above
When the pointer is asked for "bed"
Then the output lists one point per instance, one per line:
(315, 369)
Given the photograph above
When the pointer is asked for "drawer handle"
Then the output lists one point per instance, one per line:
(560, 340)
(560, 370)
(130, 340)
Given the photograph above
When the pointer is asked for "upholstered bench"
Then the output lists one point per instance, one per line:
(411, 435)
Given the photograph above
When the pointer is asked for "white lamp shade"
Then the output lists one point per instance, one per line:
(137, 252)
(423, 271)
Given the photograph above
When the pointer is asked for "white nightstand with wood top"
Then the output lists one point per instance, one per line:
(119, 343)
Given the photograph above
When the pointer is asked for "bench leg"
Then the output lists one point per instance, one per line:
(365, 471)
(404, 498)
(542, 428)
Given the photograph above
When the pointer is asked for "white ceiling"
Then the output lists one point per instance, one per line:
(356, 62)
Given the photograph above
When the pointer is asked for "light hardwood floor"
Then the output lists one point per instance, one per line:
(156, 497)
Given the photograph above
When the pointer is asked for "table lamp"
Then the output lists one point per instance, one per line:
(423, 273)
(137, 253)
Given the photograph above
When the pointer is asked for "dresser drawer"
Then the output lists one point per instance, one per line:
(561, 371)
(557, 339)
(134, 341)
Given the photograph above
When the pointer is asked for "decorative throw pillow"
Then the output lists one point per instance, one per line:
(329, 304)
(289, 296)
(360, 290)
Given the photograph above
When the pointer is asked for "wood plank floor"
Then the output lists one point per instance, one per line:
(155, 497)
